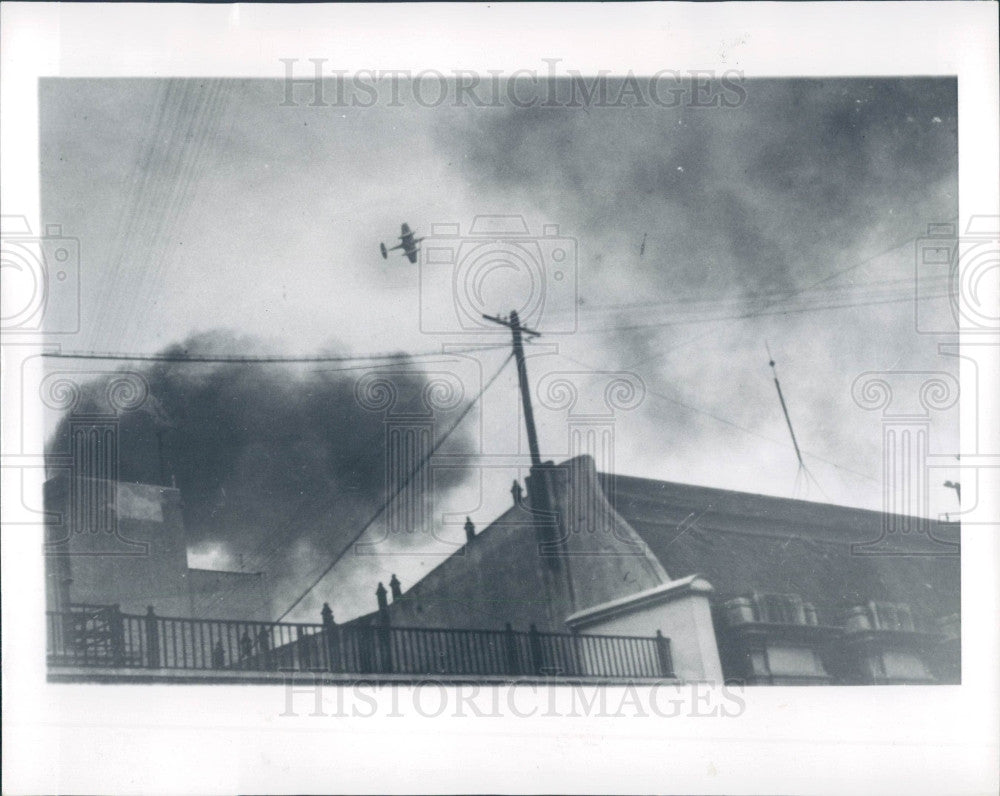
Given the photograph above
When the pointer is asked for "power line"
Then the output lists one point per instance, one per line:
(810, 286)
(161, 188)
(312, 507)
(406, 482)
(307, 509)
(263, 359)
(753, 298)
(759, 314)
(728, 422)
(235, 359)
(753, 433)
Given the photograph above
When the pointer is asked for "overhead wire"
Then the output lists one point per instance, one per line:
(384, 506)
(700, 299)
(725, 421)
(314, 506)
(262, 359)
(759, 314)
(823, 280)
(190, 112)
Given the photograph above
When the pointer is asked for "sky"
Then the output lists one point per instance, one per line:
(214, 219)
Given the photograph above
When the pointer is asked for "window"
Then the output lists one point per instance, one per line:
(780, 609)
(891, 616)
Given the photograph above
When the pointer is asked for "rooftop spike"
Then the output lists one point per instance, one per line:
(784, 408)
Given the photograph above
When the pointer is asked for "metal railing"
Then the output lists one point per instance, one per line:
(104, 637)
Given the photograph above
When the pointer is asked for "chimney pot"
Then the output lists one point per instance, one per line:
(380, 593)
(470, 529)
(396, 587)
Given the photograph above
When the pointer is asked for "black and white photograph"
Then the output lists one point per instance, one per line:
(549, 390)
(538, 444)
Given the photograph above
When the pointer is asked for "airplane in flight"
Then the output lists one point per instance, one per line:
(406, 242)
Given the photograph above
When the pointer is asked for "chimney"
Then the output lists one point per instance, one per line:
(470, 529)
(380, 592)
(394, 584)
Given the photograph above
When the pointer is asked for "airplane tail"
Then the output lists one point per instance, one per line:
(385, 254)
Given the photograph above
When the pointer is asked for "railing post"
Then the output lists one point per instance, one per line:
(385, 648)
(116, 630)
(120, 640)
(246, 649)
(301, 643)
(664, 656)
(152, 639)
(510, 650)
(576, 658)
(331, 639)
(218, 656)
(535, 649)
(264, 648)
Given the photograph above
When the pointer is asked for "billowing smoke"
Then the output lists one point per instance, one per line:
(810, 193)
(279, 466)
(725, 202)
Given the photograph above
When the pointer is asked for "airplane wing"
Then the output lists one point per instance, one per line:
(407, 243)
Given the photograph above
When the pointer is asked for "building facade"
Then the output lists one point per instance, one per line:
(110, 543)
(735, 586)
(750, 588)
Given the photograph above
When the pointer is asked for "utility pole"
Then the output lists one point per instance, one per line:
(517, 330)
(556, 573)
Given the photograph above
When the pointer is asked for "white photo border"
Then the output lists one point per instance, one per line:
(113, 738)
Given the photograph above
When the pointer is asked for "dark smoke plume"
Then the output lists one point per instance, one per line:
(277, 464)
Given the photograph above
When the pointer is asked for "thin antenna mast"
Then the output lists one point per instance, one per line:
(784, 407)
(803, 476)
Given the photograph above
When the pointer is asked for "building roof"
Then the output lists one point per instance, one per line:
(826, 554)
